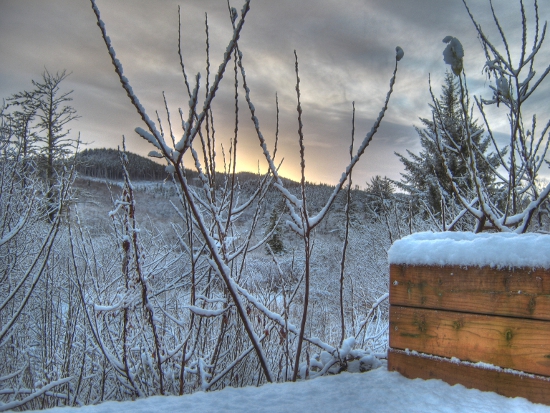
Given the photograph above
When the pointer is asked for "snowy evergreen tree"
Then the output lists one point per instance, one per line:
(275, 242)
(379, 189)
(425, 174)
(48, 107)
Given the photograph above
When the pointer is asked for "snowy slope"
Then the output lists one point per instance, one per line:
(376, 391)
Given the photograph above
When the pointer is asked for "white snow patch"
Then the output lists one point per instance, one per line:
(453, 54)
(501, 250)
(399, 53)
(479, 364)
(377, 391)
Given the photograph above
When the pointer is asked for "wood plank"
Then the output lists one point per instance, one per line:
(522, 292)
(502, 341)
(535, 389)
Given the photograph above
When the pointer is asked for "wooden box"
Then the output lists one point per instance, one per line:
(484, 327)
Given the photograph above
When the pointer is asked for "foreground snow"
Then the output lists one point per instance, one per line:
(376, 391)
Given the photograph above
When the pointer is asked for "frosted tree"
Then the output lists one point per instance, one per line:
(218, 245)
(516, 165)
(49, 107)
(28, 240)
(275, 241)
(425, 175)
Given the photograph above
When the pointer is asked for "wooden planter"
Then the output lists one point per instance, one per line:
(479, 326)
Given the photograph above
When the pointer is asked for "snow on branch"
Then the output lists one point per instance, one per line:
(314, 221)
(46, 389)
(156, 138)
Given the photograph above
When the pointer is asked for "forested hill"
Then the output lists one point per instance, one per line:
(105, 163)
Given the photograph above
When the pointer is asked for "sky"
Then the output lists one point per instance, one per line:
(346, 52)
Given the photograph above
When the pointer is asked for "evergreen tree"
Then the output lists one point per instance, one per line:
(275, 242)
(49, 108)
(379, 193)
(425, 173)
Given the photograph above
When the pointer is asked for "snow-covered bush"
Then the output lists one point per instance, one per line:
(231, 323)
(34, 306)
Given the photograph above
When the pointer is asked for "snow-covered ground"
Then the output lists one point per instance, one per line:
(376, 391)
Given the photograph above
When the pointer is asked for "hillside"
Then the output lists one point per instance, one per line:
(105, 163)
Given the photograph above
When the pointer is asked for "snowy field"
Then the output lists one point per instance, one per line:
(376, 391)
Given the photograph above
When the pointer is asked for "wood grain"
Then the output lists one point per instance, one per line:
(535, 389)
(502, 341)
(522, 292)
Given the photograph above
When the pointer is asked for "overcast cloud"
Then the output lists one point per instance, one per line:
(346, 52)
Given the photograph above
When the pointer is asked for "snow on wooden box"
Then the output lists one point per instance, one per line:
(473, 309)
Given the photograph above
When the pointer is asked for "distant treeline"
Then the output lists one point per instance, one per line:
(105, 163)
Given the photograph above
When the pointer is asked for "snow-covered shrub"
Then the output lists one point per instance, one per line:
(35, 307)
(235, 321)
